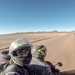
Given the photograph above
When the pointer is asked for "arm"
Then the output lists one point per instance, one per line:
(15, 70)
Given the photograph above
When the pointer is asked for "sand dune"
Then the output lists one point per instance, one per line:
(61, 46)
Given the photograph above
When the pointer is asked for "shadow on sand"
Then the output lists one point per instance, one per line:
(70, 72)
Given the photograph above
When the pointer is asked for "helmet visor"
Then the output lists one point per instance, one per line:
(21, 51)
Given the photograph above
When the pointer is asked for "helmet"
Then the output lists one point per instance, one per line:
(41, 52)
(20, 50)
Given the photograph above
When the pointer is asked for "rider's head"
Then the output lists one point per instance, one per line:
(41, 52)
(20, 51)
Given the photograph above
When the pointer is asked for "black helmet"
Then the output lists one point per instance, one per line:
(41, 52)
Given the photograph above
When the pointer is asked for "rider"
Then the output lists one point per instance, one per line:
(20, 53)
(40, 54)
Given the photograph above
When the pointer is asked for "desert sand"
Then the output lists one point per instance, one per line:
(60, 46)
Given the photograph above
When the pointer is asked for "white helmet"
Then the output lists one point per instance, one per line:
(20, 50)
(19, 43)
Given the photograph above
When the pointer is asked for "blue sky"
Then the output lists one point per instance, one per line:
(36, 15)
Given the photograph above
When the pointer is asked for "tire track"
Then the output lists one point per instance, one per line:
(49, 38)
